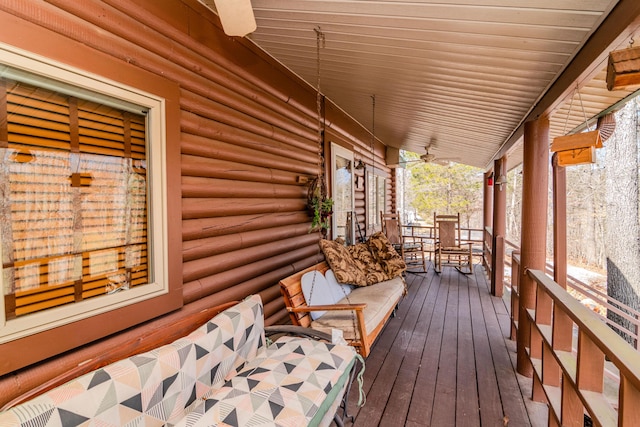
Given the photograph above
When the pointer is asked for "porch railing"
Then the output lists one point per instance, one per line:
(603, 302)
(571, 380)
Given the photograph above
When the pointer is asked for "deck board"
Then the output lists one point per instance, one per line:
(443, 360)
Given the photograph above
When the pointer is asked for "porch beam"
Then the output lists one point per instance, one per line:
(487, 217)
(535, 172)
(614, 31)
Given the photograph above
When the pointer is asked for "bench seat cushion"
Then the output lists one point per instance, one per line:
(155, 388)
(296, 382)
(380, 299)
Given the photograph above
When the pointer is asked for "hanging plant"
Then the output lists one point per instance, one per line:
(320, 206)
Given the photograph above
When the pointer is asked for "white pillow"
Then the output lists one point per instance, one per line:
(316, 291)
(338, 290)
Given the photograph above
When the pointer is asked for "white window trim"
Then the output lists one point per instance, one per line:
(157, 208)
(337, 150)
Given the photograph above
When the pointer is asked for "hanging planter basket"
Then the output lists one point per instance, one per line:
(320, 206)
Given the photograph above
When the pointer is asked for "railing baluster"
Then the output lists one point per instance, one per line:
(551, 373)
(590, 373)
(562, 330)
(583, 375)
(572, 410)
(515, 296)
(628, 403)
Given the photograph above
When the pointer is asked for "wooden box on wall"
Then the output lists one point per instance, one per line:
(623, 69)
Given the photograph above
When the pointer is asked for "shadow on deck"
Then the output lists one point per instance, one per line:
(446, 360)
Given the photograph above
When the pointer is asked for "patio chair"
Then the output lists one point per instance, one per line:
(449, 249)
(411, 248)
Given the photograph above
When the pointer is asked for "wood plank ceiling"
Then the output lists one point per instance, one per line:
(460, 74)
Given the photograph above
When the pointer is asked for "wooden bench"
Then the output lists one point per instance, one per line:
(370, 307)
(221, 373)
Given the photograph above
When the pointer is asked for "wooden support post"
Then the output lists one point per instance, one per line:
(499, 224)
(487, 217)
(559, 223)
(534, 226)
(488, 201)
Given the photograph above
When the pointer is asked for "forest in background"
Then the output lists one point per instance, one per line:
(603, 205)
(447, 188)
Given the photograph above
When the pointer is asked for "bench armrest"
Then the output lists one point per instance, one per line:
(307, 308)
(297, 331)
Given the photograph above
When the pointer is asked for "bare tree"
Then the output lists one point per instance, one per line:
(623, 228)
(586, 214)
(514, 204)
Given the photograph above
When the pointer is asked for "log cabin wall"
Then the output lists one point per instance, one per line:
(248, 132)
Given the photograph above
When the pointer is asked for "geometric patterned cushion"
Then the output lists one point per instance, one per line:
(295, 381)
(227, 342)
(155, 388)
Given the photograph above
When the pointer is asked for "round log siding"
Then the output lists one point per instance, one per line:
(208, 227)
(248, 142)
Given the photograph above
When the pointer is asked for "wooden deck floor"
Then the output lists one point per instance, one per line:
(444, 360)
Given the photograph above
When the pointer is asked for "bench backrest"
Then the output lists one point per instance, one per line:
(291, 289)
(157, 387)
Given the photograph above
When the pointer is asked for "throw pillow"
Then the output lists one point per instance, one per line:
(373, 270)
(342, 264)
(383, 251)
(316, 291)
(338, 290)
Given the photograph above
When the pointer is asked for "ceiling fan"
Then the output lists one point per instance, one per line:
(236, 16)
(432, 158)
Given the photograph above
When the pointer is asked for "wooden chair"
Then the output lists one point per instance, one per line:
(411, 248)
(449, 249)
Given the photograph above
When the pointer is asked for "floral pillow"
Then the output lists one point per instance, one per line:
(373, 270)
(386, 255)
(342, 263)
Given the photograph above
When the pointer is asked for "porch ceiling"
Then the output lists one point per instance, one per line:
(464, 74)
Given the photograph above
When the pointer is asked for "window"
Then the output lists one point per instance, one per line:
(375, 200)
(342, 191)
(83, 218)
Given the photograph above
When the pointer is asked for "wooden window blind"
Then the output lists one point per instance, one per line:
(73, 180)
